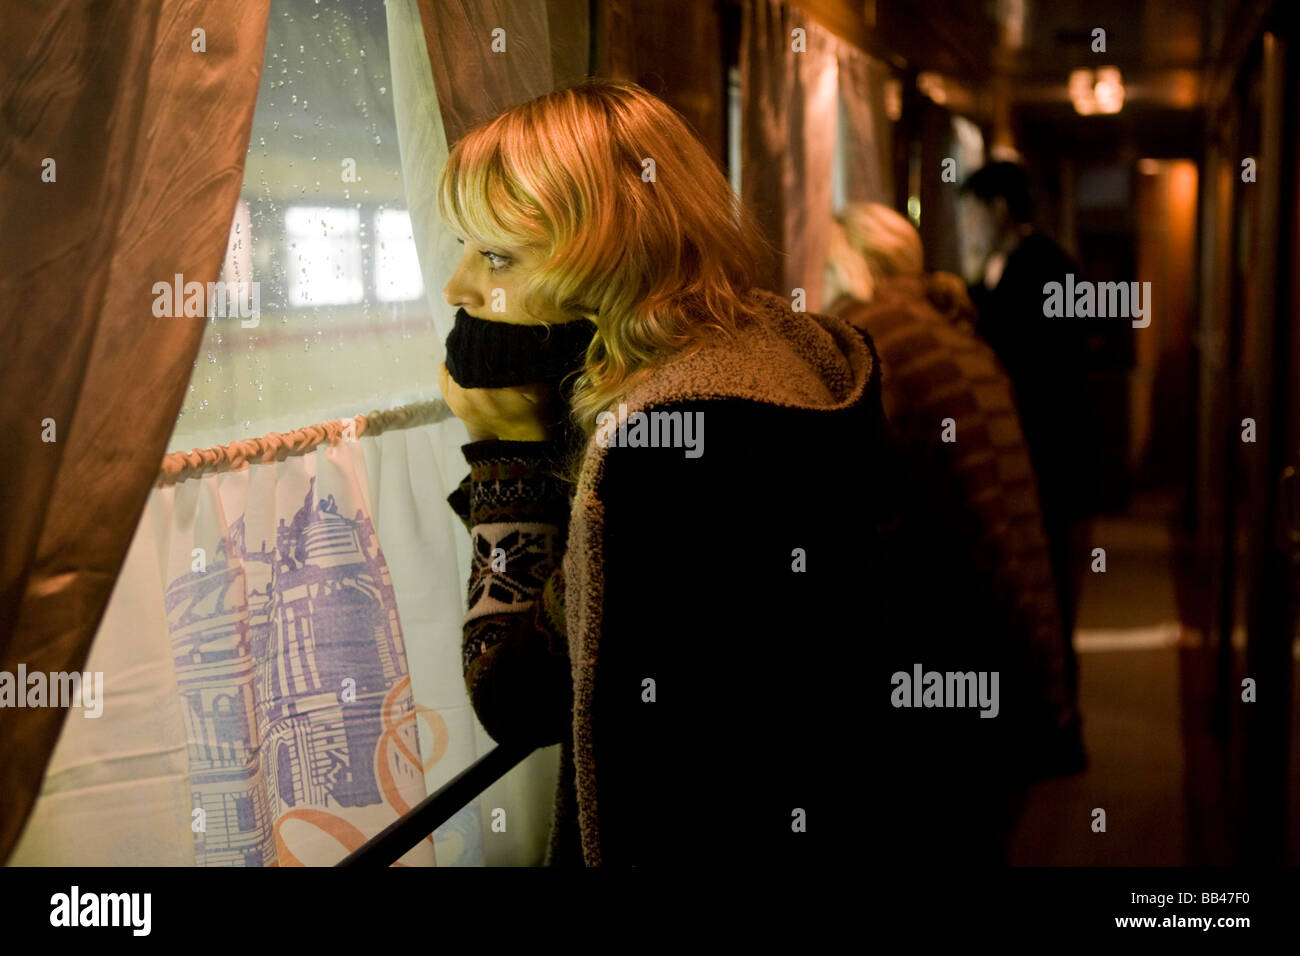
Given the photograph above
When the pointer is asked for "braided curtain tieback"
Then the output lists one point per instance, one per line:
(179, 466)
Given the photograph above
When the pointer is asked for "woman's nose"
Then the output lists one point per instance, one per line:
(460, 292)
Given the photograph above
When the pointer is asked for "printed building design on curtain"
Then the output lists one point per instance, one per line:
(264, 643)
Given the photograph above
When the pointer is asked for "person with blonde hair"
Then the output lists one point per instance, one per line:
(656, 596)
(973, 528)
(869, 240)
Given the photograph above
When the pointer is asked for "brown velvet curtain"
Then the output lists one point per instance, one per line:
(868, 140)
(795, 89)
(789, 106)
(478, 72)
(121, 160)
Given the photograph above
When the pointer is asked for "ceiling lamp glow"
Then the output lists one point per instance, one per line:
(1097, 91)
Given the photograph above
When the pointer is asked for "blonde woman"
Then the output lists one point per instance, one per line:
(666, 581)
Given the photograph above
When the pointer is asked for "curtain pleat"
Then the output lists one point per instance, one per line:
(789, 86)
(568, 25)
(486, 55)
(141, 138)
(867, 140)
(794, 90)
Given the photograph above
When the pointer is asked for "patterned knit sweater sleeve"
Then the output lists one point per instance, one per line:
(514, 649)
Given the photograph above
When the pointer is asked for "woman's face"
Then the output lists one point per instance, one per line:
(487, 281)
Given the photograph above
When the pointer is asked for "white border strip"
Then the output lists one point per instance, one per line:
(1154, 637)
(1090, 640)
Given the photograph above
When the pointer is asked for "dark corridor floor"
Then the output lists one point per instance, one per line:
(1155, 767)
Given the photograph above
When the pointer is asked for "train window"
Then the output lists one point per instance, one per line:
(323, 236)
(323, 255)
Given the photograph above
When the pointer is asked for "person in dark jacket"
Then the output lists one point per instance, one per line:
(1046, 360)
(671, 578)
(972, 520)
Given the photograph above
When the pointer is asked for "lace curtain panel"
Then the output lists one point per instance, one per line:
(268, 661)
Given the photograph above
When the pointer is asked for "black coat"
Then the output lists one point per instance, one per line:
(771, 737)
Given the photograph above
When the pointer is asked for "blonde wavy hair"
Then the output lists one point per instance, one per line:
(870, 242)
(636, 225)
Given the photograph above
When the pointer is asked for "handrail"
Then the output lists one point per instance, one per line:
(391, 843)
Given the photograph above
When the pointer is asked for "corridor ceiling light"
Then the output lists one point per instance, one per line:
(1109, 90)
(1081, 95)
(1099, 91)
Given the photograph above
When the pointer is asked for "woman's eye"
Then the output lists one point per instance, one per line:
(497, 261)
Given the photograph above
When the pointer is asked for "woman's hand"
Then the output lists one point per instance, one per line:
(519, 413)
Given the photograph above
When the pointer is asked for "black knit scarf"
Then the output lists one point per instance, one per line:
(482, 353)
